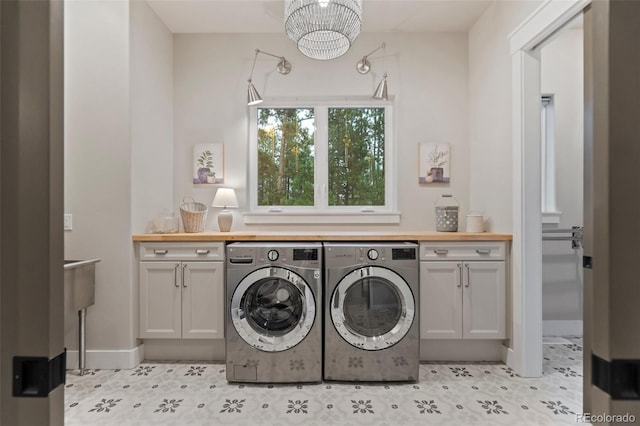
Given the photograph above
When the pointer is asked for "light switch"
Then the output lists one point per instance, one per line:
(68, 222)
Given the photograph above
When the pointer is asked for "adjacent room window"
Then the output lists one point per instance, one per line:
(322, 160)
(548, 172)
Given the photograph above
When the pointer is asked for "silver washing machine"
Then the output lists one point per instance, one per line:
(371, 312)
(273, 320)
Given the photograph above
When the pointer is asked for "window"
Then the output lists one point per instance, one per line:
(285, 156)
(356, 156)
(548, 171)
(321, 162)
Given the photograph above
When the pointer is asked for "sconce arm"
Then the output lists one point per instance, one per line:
(284, 66)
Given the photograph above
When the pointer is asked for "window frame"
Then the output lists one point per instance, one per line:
(321, 212)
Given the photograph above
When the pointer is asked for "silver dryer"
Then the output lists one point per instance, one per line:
(371, 311)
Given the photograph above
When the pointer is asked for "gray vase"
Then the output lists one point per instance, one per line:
(438, 174)
(202, 174)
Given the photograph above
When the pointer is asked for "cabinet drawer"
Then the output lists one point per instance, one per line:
(477, 250)
(181, 251)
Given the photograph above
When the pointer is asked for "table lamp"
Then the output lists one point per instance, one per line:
(225, 198)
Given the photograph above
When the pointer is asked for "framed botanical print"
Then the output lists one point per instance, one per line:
(208, 164)
(434, 163)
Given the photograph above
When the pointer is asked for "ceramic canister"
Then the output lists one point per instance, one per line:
(475, 222)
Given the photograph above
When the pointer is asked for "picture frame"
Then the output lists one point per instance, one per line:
(208, 164)
(434, 163)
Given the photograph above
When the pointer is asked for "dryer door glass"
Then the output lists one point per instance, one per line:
(372, 308)
(273, 309)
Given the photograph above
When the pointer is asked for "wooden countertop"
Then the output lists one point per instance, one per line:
(325, 236)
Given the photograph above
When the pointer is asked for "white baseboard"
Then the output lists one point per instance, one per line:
(562, 328)
(461, 350)
(185, 350)
(108, 359)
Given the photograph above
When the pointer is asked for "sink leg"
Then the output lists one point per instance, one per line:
(82, 313)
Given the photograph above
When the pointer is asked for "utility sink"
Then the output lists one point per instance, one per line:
(79, 284)
(79, 293)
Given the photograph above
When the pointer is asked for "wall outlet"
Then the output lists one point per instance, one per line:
(68, 222)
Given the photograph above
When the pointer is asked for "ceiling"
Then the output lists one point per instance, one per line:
(266, 16)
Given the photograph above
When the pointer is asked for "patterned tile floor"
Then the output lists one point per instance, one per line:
(447, 393)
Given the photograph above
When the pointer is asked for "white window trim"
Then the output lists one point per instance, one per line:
(321, 213)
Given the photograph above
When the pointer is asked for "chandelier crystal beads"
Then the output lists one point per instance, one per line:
(323, 29)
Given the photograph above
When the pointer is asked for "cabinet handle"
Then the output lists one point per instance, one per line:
(466, 265)
(184, 283)
(441, 251)
(202, 251)
(483, 251)
(158, 251)
(460, 269)
(175, 275)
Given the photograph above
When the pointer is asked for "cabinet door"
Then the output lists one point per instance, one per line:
(203, 300)
(440, 300)
(484, 300)
(160, 300)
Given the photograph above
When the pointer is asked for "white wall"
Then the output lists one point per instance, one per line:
(151, 116)
(118, 157)
(98, 164)
(428, 75)
(490, 137)
(562, 75)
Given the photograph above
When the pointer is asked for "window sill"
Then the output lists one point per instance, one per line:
(289, 218)
(551, 217)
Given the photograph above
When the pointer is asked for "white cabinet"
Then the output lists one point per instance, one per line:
(160, 300)
(181, 299)
(483, 300)
(440, 301)
(203, 300)
(460, 298)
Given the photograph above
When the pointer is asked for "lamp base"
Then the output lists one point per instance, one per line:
(225, 219)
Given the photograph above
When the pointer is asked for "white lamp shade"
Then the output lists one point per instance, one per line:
(225, 198)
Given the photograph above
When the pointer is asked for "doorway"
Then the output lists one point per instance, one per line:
(526, 42)
(562, 181)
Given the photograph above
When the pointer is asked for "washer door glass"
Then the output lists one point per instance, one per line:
(372, 308)
(273, 309)
(273, 306)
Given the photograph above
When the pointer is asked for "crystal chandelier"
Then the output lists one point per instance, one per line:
(323, 29)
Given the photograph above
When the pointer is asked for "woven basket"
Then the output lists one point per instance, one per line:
(194, 215)
(447, 216)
